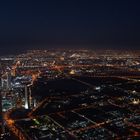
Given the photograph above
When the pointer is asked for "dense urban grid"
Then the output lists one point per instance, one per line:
(70, 94)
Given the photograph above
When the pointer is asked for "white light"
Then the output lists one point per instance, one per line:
(136, 102)
(26, 106)
(98, 88)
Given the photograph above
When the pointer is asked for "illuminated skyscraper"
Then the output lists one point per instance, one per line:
(8, 81)
(26, 98)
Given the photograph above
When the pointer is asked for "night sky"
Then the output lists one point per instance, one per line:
(40, 24)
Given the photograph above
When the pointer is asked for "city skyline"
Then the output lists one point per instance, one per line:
(70, 94)
(70, 70)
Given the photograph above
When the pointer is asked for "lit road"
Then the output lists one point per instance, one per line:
(13, 128)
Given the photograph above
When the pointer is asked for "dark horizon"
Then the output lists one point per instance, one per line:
(75, 23)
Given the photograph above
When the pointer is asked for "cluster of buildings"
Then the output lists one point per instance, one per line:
(104, 111)
(77, 94)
